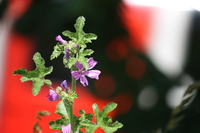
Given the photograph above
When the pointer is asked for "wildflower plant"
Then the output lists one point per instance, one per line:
(76, 58)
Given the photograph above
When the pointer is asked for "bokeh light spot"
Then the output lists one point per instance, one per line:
(105, 86)
(135, 67)
(116, 50)
(124, 101)
(174, 96)
(147, 98)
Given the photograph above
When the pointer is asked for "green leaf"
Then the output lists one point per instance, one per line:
(37, 84)
(84, 116)
(82, 60)
(88, 37)
(87, 52)
(64, 120)
(107, 109)
(48, 82)
(58, 49)
(80, 37)
(102, 120)
(56, 125)
(69, 63)
(61, 110)
(70, 34)
(90, 126)
(37, 75)
(83, 119)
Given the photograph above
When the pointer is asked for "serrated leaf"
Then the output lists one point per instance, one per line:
(110, 128)
(80, 22)
(72, 61)
(87, 52)
(48, 82)
(37, 84)
(56, 125)
(69, 63)
(102, 121)
(37, 75)
(80, 37)
(61, 110)
(70, 34)
(85, 117)
(82, 60)
(107, 109)
(89, 37)
(90, 126)
(96, 111)
(58, 49)
(64, 120)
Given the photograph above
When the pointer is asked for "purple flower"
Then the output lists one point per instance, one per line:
(52, 96)
(82, 72)
(67, 129)
(64, 85)
(59, 38)
(67, 53)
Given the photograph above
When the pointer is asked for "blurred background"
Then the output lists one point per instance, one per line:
(148, 52)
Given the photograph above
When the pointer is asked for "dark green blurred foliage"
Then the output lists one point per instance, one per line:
(191, 120)
(3, 6)
(193, 63)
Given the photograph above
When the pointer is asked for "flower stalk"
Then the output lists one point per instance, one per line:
(76, 59)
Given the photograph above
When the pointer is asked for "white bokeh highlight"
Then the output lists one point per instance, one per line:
(168, 39)
(175, 94)
(147, 98)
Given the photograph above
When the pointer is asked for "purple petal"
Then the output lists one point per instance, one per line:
(64, 85)
(93, 74)
(79, 65)
(52, 96)
(91, 62)
(83, 80)
(76, 74)
(66, 129)
(59, 38)
(67, 53)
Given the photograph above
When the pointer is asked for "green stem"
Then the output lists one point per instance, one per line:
(68, 108)
(73, 84)
(72, 117)
(71, 109)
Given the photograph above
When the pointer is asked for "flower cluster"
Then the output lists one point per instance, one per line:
(77, 74)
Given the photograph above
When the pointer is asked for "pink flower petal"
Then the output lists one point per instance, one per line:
(59, 38)
(83, 80)
(66, 129)
(52, 96)
(93, 74)
(91, 62)
(79, 65)
(76, 74)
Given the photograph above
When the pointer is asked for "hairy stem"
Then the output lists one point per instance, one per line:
(73, 84)
(71, 108)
